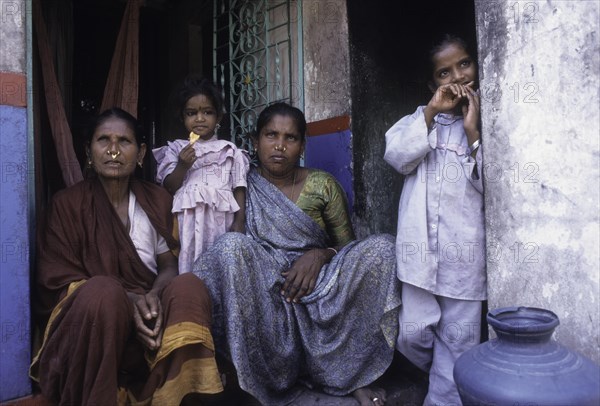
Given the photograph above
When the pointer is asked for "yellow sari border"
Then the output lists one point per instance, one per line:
(73, 286)
(197, 376)
(179, 335)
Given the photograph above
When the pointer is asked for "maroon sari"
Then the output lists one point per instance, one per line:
(86, 265)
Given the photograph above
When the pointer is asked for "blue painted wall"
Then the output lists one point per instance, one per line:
(14, 255)
(333, 153)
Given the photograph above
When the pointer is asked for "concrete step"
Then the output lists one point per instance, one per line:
(404, 384)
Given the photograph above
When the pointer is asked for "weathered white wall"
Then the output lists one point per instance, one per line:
(12, 36)
(326, 59)
(539, 63)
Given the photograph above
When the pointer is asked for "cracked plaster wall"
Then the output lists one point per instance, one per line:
(539, 67)
(326, 59)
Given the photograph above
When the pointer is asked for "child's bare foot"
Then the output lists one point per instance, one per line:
(369, 396)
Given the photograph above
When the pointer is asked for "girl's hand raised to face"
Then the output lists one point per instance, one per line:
(471, 116)
(447, 97)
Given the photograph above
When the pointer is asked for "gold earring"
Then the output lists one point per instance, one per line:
(89, 163)
(140, 164)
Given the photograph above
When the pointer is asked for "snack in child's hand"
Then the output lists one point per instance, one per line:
(194, 137)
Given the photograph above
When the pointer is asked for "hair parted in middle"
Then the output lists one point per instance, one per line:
(282, 109)
(194, 85)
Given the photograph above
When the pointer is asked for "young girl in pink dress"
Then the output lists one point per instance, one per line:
(207, 176)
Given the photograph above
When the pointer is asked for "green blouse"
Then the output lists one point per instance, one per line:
(324, 200)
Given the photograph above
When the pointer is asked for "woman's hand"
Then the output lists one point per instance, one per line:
(187, 156)
(301, 278)
(147, 310)
(147, 317)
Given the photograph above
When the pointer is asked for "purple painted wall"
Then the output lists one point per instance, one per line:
(15, 340)
(333, 153)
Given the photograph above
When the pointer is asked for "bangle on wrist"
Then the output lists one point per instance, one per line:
(333, 249)
(474, 146)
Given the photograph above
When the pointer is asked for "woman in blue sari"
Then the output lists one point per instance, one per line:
(297, 299)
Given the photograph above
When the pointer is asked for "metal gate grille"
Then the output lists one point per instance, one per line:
(257, 59)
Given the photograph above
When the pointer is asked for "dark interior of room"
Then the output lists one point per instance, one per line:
(389, 42)
(389, 46)
(169, 30)
(83, 34)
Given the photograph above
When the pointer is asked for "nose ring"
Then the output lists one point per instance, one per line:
(113, 155)
(278, 148)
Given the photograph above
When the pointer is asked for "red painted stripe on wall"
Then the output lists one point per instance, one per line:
(13, 89)
(328, 126)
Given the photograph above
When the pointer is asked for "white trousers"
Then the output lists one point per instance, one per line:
(434, 332)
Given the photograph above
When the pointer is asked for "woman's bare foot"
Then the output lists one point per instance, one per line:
(369, 396)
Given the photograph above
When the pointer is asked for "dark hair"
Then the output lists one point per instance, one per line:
(194, 85)
(446, 39)
(114, 112)
(281, 109)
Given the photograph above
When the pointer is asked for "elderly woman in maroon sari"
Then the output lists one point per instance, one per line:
(118, 314)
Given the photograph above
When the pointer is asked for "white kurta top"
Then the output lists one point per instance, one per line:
(440, 244)
(148, 243)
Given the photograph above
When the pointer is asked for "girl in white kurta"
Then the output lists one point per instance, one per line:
(440, 246)
(207, 176)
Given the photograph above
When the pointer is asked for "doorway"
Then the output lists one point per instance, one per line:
(389, 46)
(175, 40)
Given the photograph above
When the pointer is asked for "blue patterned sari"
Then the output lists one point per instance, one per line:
(338, 339)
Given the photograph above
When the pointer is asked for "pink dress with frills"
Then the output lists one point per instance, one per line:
(204, 204)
